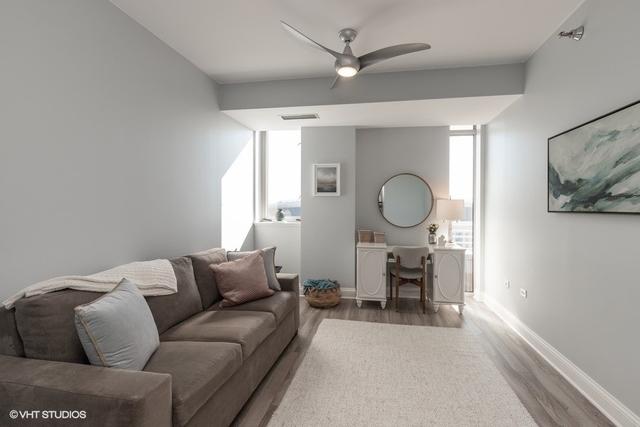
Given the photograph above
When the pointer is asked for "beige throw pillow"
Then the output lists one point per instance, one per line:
(242, 280)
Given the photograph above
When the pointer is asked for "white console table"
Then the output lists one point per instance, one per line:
(371, 273)
(445, 274)
(446, 284)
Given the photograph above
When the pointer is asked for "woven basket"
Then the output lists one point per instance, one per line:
(323, 298)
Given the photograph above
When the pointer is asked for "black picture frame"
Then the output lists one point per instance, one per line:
(549, 140)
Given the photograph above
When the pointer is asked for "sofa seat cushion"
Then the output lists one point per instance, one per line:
(247, 328)
(279, 304)
(197, 369)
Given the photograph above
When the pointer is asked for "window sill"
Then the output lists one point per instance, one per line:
(277, 223)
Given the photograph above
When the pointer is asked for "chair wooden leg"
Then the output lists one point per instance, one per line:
(423, 293)
(397, 294)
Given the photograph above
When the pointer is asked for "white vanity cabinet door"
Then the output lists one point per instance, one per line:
(371, 275)
(448, 277)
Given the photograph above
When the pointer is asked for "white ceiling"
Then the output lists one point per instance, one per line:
(241, 40)
(430, 112)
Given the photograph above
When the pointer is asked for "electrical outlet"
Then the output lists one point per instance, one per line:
(507, 284)
(523, 293)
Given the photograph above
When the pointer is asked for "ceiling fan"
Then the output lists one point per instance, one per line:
(347, 64)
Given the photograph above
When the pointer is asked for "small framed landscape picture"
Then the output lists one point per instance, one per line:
(326, 179)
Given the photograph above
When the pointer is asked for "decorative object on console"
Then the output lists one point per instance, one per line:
(450, 210)
(365, 236)
(442, 240)
(405, 200)
(379, 237)
(326, 179)
(593, 168)
(322, 293)
(280, 215)
(433, 228)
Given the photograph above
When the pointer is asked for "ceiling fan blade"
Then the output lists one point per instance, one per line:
(376, 56)
(297, 34)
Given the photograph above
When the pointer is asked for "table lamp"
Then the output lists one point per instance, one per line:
(450, 210)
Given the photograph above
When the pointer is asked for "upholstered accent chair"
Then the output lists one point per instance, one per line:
(410, 268)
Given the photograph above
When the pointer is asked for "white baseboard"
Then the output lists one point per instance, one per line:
(611, 407)
(350, 293)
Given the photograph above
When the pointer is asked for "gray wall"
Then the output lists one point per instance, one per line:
(581, 271)
(377, 87)
(382, 153)
(113, 146)
(328, 223)
(285, 236)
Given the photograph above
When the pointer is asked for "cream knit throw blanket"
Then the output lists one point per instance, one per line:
(152, 278)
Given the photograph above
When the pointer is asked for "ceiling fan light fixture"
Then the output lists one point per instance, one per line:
(347, 71)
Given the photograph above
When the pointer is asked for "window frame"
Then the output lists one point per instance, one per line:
(261, 145)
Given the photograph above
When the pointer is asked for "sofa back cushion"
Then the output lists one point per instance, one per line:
(47, 327)
(205, 279)
(10, 341)
(169, 310)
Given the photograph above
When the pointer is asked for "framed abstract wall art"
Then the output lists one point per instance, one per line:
(326, 179)
(595, 167)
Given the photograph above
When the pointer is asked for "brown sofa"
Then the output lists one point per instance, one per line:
(209, 362)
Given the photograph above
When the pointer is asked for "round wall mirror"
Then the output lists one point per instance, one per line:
(405, 200)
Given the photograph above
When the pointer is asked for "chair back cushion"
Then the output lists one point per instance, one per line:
(410, 256)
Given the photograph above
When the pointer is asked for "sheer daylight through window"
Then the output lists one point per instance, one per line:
(283, 175)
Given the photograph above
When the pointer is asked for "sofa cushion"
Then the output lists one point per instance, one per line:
(242, 280)
(10, 341)
(47, 328)
(197, 369)
(247, 328)
(169, 310)
(117, 330)
(269, 257)
(279, 304)
(205, 278)
(46, 322)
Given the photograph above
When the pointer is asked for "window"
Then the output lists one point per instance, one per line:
(282, 174)
(461, 186)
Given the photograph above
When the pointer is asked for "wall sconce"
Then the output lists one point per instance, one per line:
(575, 34)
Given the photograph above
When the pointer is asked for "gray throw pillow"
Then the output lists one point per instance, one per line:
(269, 255)
(117, 330)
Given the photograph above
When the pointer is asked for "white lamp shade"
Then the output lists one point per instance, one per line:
(450, 210)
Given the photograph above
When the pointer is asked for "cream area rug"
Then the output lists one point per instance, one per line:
(372, 374)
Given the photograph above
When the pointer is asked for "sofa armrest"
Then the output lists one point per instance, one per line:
(108, 396)
(289, 282)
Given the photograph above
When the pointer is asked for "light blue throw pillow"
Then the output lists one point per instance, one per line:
(117, 330)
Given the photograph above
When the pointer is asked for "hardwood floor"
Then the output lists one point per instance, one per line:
(548, 397)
